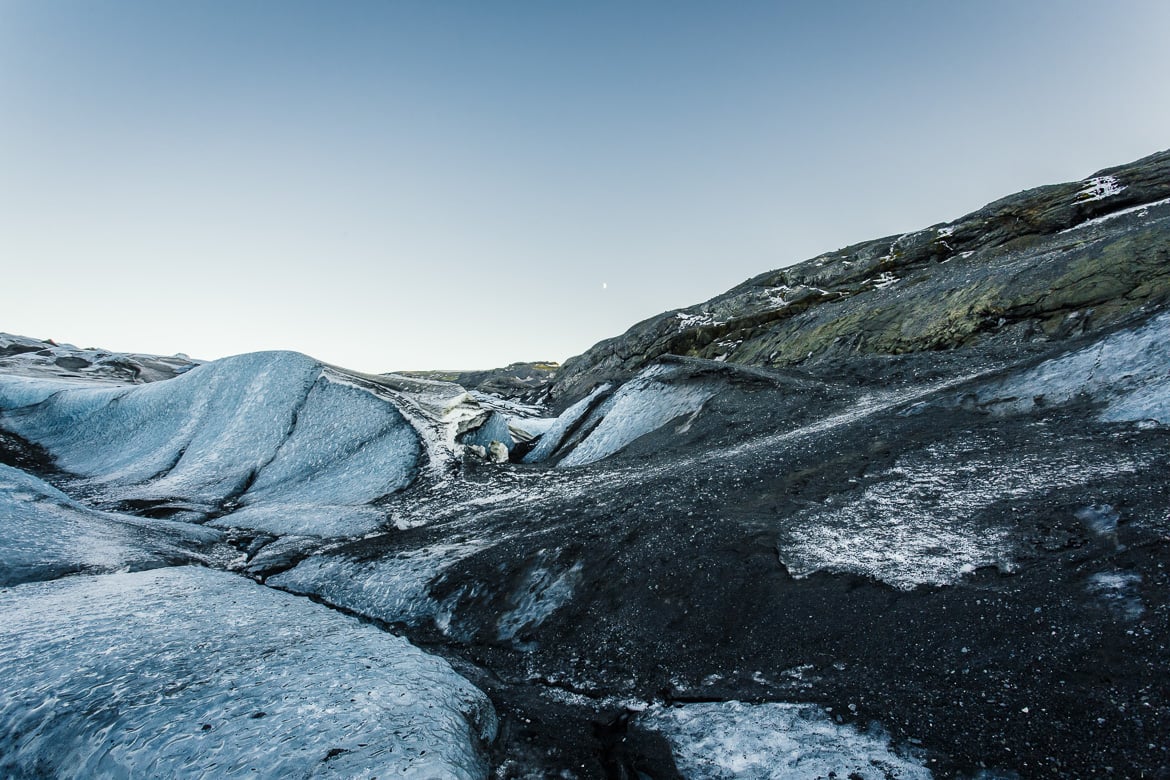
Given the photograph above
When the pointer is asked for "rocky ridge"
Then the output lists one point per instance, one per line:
(1042, 265)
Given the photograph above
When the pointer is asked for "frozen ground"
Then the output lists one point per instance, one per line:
(195, 673)
(724, 534)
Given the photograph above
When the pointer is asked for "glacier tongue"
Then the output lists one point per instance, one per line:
(269, 436)
(191, 672)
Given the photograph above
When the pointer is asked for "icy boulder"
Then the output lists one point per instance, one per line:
(186, 672)
(642, 405)
(45, 534)
(272, 441)
(717, 740)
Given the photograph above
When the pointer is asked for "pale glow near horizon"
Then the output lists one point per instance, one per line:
(413, 185)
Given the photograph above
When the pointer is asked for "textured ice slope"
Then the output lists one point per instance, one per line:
(640, 406)
(1129, 371)
(186, 672)
(271, 440)
(45, 534)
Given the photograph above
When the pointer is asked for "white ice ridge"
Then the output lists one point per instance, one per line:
(45, 534)
(555, 434)
(644, 404)
(31, 357)
(270, 437)
(188, 672)
(724, 740)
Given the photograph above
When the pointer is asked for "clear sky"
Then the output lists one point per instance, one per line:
(395, 185)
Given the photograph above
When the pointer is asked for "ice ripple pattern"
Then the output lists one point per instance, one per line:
(188, 672)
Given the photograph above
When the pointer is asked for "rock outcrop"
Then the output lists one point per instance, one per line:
(1041, 265)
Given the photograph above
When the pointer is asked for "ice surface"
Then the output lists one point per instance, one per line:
(291, 448)
(555, 434)
(642, 405)
(186, 672)
(774, 741)
(494, 429)
(918, 524)
(45, 534)
(1129, 370)
(392, 588)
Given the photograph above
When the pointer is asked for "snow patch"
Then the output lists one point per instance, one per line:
(686, 321)
(1099, 188)
(1118, 591)
(1141, 211)
(774, 741)
(918, 524)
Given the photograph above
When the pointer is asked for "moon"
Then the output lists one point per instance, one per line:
(604, 286)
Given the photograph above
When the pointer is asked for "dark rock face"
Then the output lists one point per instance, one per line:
(1041, 265)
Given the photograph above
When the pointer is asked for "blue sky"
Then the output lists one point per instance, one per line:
(392, 185)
